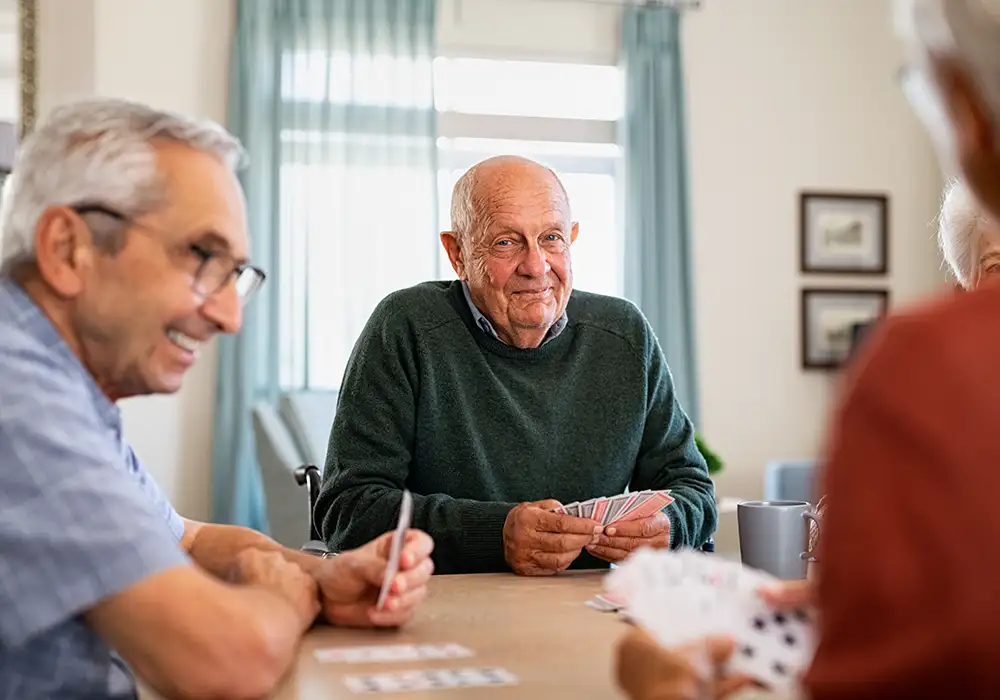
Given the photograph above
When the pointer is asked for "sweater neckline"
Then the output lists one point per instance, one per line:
(497, 346)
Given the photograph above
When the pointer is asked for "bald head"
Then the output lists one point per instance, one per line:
(488, 183)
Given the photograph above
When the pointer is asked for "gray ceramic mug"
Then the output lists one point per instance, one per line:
(774, 535)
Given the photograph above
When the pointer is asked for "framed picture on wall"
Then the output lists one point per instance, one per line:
(835, 320)
(842, 233)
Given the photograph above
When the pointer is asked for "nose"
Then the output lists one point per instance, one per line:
(534, 263)
(224, 309)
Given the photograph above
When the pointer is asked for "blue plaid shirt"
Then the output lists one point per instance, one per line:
(80, 519)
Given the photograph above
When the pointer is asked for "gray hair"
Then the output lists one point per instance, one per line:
(98, 151)
(469, 205)
(959, 230)
(966, 30)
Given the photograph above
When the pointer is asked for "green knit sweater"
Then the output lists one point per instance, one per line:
(472, 426)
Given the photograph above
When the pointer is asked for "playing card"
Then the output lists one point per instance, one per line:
(616, 506)
(430, 679)
(587, 509)
(572, 508)
(682, 596)
(655, 502)
(605, 602)
(391, 652)
(405, 516)
(773, 647)
(600, 508)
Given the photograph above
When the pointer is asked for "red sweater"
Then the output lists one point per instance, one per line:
(910, 549)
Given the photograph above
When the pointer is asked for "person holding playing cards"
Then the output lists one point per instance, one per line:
(124, 250)
(908, 549)
(515, 408)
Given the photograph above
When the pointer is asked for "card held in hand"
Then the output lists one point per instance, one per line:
(620, 508)
(682, 596)
(405, 517)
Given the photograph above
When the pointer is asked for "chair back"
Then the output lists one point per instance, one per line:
(309, 417)
(789, 480)
(288, 509)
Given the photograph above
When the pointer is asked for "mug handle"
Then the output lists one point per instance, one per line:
(811, 515)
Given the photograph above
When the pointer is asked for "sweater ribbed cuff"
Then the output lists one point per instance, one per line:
(482, 536)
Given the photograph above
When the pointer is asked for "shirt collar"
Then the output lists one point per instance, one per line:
(486, 327)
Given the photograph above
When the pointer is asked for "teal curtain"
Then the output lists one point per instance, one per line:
(658, 265)
(334, 102)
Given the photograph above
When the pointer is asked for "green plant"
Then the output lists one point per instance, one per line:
(715, 463)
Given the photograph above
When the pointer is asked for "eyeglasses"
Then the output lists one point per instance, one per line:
(215, 270)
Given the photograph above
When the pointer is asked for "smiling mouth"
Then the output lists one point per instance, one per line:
(534, 292)
(184, 342)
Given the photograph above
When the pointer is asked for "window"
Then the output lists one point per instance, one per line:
(379, 233)
(561, 114)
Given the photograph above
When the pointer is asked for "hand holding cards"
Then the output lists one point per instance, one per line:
(537, 540)
(381, 583)
(681, 597)
(624, 507)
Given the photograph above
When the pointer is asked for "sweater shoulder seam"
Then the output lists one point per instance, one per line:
(621, 336)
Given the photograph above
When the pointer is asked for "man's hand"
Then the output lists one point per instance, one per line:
(788, 595)
(621, 539)
(537, 542)
(256, 567)
(350, 583)
(647, 671)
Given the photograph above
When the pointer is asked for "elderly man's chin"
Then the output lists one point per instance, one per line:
(170, 364)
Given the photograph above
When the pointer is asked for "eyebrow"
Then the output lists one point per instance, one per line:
(216, 242)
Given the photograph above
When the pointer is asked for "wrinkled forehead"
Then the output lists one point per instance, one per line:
(523, 199)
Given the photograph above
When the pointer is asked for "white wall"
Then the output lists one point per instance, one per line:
(173, 54)
(782, 95)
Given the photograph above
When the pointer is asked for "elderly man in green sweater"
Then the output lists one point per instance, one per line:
(496, 397)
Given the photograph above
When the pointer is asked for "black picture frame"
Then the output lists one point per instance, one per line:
(856, 222)
(829, 339)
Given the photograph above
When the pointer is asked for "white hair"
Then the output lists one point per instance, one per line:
(966, 30)
(959, 231)
(97, 151)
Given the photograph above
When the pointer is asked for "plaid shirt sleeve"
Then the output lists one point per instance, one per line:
(160, 502)
(75, 526)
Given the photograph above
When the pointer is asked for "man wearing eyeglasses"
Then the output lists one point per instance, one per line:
(123, 250)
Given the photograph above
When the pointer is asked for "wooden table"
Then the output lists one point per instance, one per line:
(537, 628)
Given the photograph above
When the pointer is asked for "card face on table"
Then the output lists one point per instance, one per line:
(391, 652)
(430, 679)
(620, 508)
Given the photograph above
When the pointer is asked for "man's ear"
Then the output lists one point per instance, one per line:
(62, 250)
(574, 231)
(449, 239)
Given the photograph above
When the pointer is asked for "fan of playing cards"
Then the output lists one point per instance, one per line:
(625, 506)
(680, 596)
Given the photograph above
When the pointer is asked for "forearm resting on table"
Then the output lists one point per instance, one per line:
(188, 634)
(215, 548)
